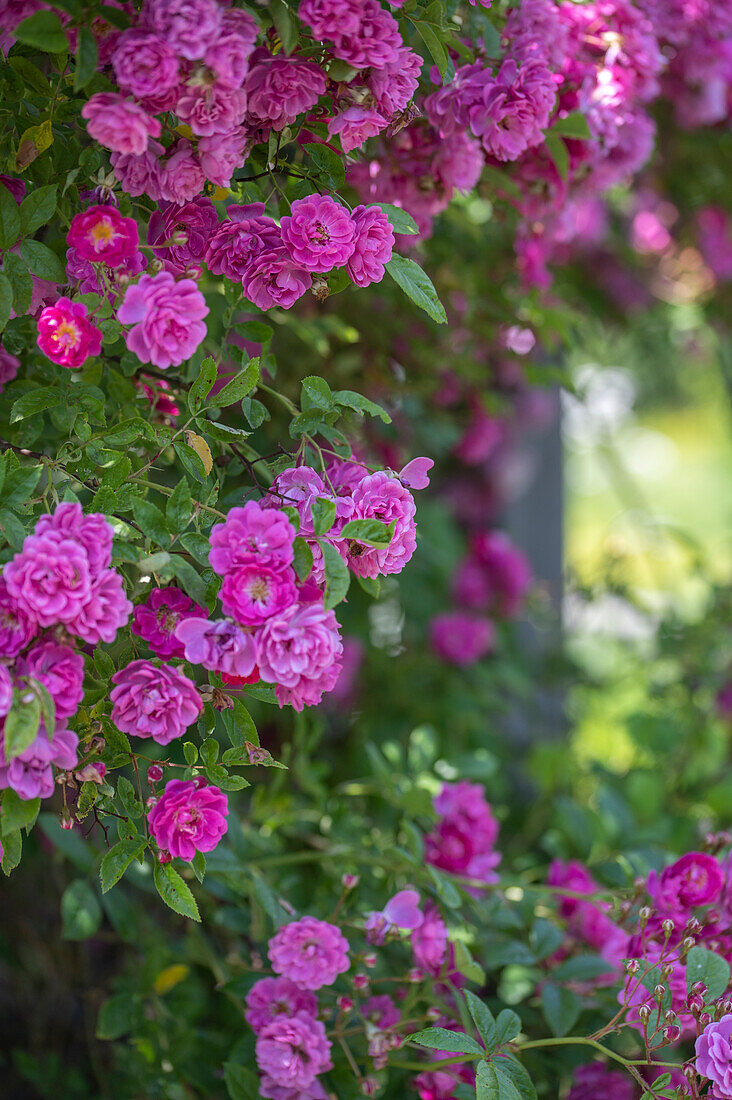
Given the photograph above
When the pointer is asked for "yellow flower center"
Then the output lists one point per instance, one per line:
(67, 334)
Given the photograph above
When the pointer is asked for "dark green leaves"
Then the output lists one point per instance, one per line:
(574, 125)
(337, 577)
(439, 1038)
(43, 31)
(151, 520)
(16, 812)
(239, 386)
(33, 402)
(417, 285)
(328, 165)
(118, 859)
(200, 389)
(41, 261)
(303, 559)
(9, 219)
(285, 24)
(6, 299)
(37, 208)
(349, 399)
(708, 967)
(87, 56)
(174, 891)
(323, 512)
(21, 724)
(561, 1008)
(179, 508)
(81, 914)
(401, 221)
(241, 1083)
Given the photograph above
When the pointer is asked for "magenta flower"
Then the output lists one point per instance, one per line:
(61, 671)
(274, 279)
(214, 109)
(154, 702)
(460, 638)
(239, 241)
(415, 475)
(383, 497)
(17, 628)
(495, 577)
(30, 774)
(92, 532)
(220, 154)
(281, 88)
(66, 336)
(381, 1011)
(106, 610)
(362, 33)
(228, 56)
(9, 367)
(118, 124)
(101, 235)
(695, 879)
(429, 942)
(188, 26)
(463, 842)
(251, 594)
(144, 64)
(394, 85)
(182, 177)
(509, 111)
(714, 1054)
(156, 620)
(140, 175)
(293, 1050)
(218, 646)
(355, 126)
(167, 319)
(188, 818)
(49, 579)
(270, 997)
(373, 245)
(195, 222)
(157, 392)
(310, 952)
(595, 1080)
(299, 652)
(318, 233)
(6, 691)
(252, 535)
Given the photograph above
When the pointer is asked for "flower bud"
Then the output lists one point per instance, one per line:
(659, 992)
(154, 773)
(180, 237)
(370, 960)
(693, 926)
(668, 927)
(360, 981)
(349, 882)
(698, 988)
(415, 975)
(369, 1086)
(669, 1016)
(345, 1004)
(644, 1014)
(65, 821)
(689, 1071)
(705, 1018)
(434, 1013)
(672, 1033)
(320, 288)
(164, 857)
(644, 916)
(686, 946)
(151, 802)
(154, 266)
(632, 967)
(97, 745)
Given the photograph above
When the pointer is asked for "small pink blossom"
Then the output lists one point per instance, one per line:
(194, 221)
(167, 319)
(156, 620)
(150, 701)
(188, 818)
(251, 594)
(220, 154)
(189, 27)
(429, 942)
(144, 64)
(140, 175)
(281, 88)
(17, 627)
(213, 109)
(460, 638)
(118, 124)
(383, 497)
(373, 245)
(49, 579)
(239, 241)
(270, 997)
(355, 126)
(182, 177)
(252, 535)
(299, 652)
(318, 233)
(293, 1050)
(61, 671)
(218, 646)
(274, 279)
(30, 774)
(310, 952)
(66, 336)
(101, 235)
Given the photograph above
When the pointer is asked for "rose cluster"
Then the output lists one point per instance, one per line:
(58, 587)
(463, 841)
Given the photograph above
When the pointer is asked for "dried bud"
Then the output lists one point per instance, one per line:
(345, 1004)
(258, 755)
(154, 773)
(97, 745)
(123, 279)
(360, 981)
(164, 857)
(91, 773)
(668, 927)
(672, 1034)
(321, 290)
(348, 882)
(727, 1008)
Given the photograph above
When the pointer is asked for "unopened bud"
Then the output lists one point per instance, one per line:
(155, 265)
(689, 1071)
(370, 960)
(360, 981)
(686, 946)
(97, 745)
(369, 1086)
(727, 1008)
(659, 992)
(668, 927)
(632, 967)
(705, 1019)
(434, 1013)
(151, 802)
(644, 1014)
(672, 1034)
(345, 1004)
(164, 857)
(154, 773)
(91, 773)
(349, 882)
(698, 987)
(693, 926)
(696, 1006)
(415, 975)
(180, 237)
(644, 916)
(65, 820)
(669, 1016)
(123, 279)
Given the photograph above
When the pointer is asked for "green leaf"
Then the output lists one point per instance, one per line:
(21, 723)
(371, 532)
(196, 545)
(581, 968)
(81, 913)
(240, 727)
(41, 261)
(12, 850)
(573, 126)
(558, 152)
(38, 208)
(191, 461)
(430, 34)
(239, 386)
(318, 392)
(303, 559)
(544, 938)
(401, 221)
(337, 577)
(706, 966)
(328, 164)
(417, 285)
(116, 1017)
(19, 484)
(561, 1008)
(31, 75)
(341, 71)
(9, 219)
(439, 1038)
(285, 24)
(6, 299)
(265, 896)
(201, 388)
(87, 57)
(33, 402)
(118, 859)
(43, 31)
(190, 752)
(198, 863)
(151, 520)
(323, 512)
(241, 1083)
(210, 751)
(486, 1082)
(508, 1025)
(17, 813)
(483, 1019)
(174, 891)
(509, 1066)
(20, 281)
(179, 508)
(507, 1090)
(189, 578)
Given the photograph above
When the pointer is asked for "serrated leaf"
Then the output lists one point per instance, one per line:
(239, 386)
(9, 219)
(371, 532)
(87, 58)
(151, 520)
(483, 1019)
(6, 299)
(175, 892)
(328, 164)
(21, 723)
(558, 152)
(241, 1082)
(33, 402)
(17, 813)
(285, 24)
(417, 285)
(486, 1082)
(430, 35)
(21, 282)
(337, 577)
(561, 1008)
(43, 31)
(118, 859)
(42, 262)
(37, 208)
(198, 863)
(400, 220)
(439, 1038)
(303, 559)
(201, 388)
(323, 513)
(179, 508)
(707, 966)
(192, 582)
(574, 125)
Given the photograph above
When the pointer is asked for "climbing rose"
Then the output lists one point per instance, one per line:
(65, 335)
(220, 154)
(188, 818)
(9, 367)
(6, 691)
(714, 1054)
(274, 279)
(156, 620)
(270, 997)
(228, 56)
(380, 496)
(252, 535)
(211, 110)
(310, 952)
(293, 1050)
(181, 177)
(30, 774)
(239, 241)
(299, 652)
(167, 319)
(118, 124)
(154, 702)
(460, 638)
(373, 245)
(49, 579)
(217, 646)
(188, 26)
(318, 233)
(140, 175)
(595, 1080)
(695, 879)
(17, 627)
(362, 33)
(394, 85)
(463, 840)
(279, 89)
(106, 610)
(195, 221)
(252, 594)
(355, 125)
(92, 532)
(101, 235)
(144, 64)
(61, 671)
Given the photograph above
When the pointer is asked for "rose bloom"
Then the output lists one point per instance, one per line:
(196, 221)
(695, 879)
(318, 233)
(220, 154)
(461, 639)
(181, 177)
(101, 235)
(373, 245)
(49, 579)
(30, 774)
(355, 126)
(218, 646)
(281, 88)
(188, 26)
(188, 818)
(714, 1054)
(591, 1082)
(61, 671)
(156, 390)
(105, 611)
(118, 124)
(274, 279)
(228, 56)
(144, 64)
(9, 367)
(252, 594)
(140, 175)
(299, 652)
(429, 942)
(239, 241)
(167, 319)
(156, 620)
(252, 535)
(17, 628)
(293, 1050)
(154, 702)
(383, 497)
(270, 997)
(214, 109)
(66, 336)
(310, 952)
(92, 532)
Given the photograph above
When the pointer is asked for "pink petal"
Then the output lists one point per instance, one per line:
(414, 474)
(403, 910)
